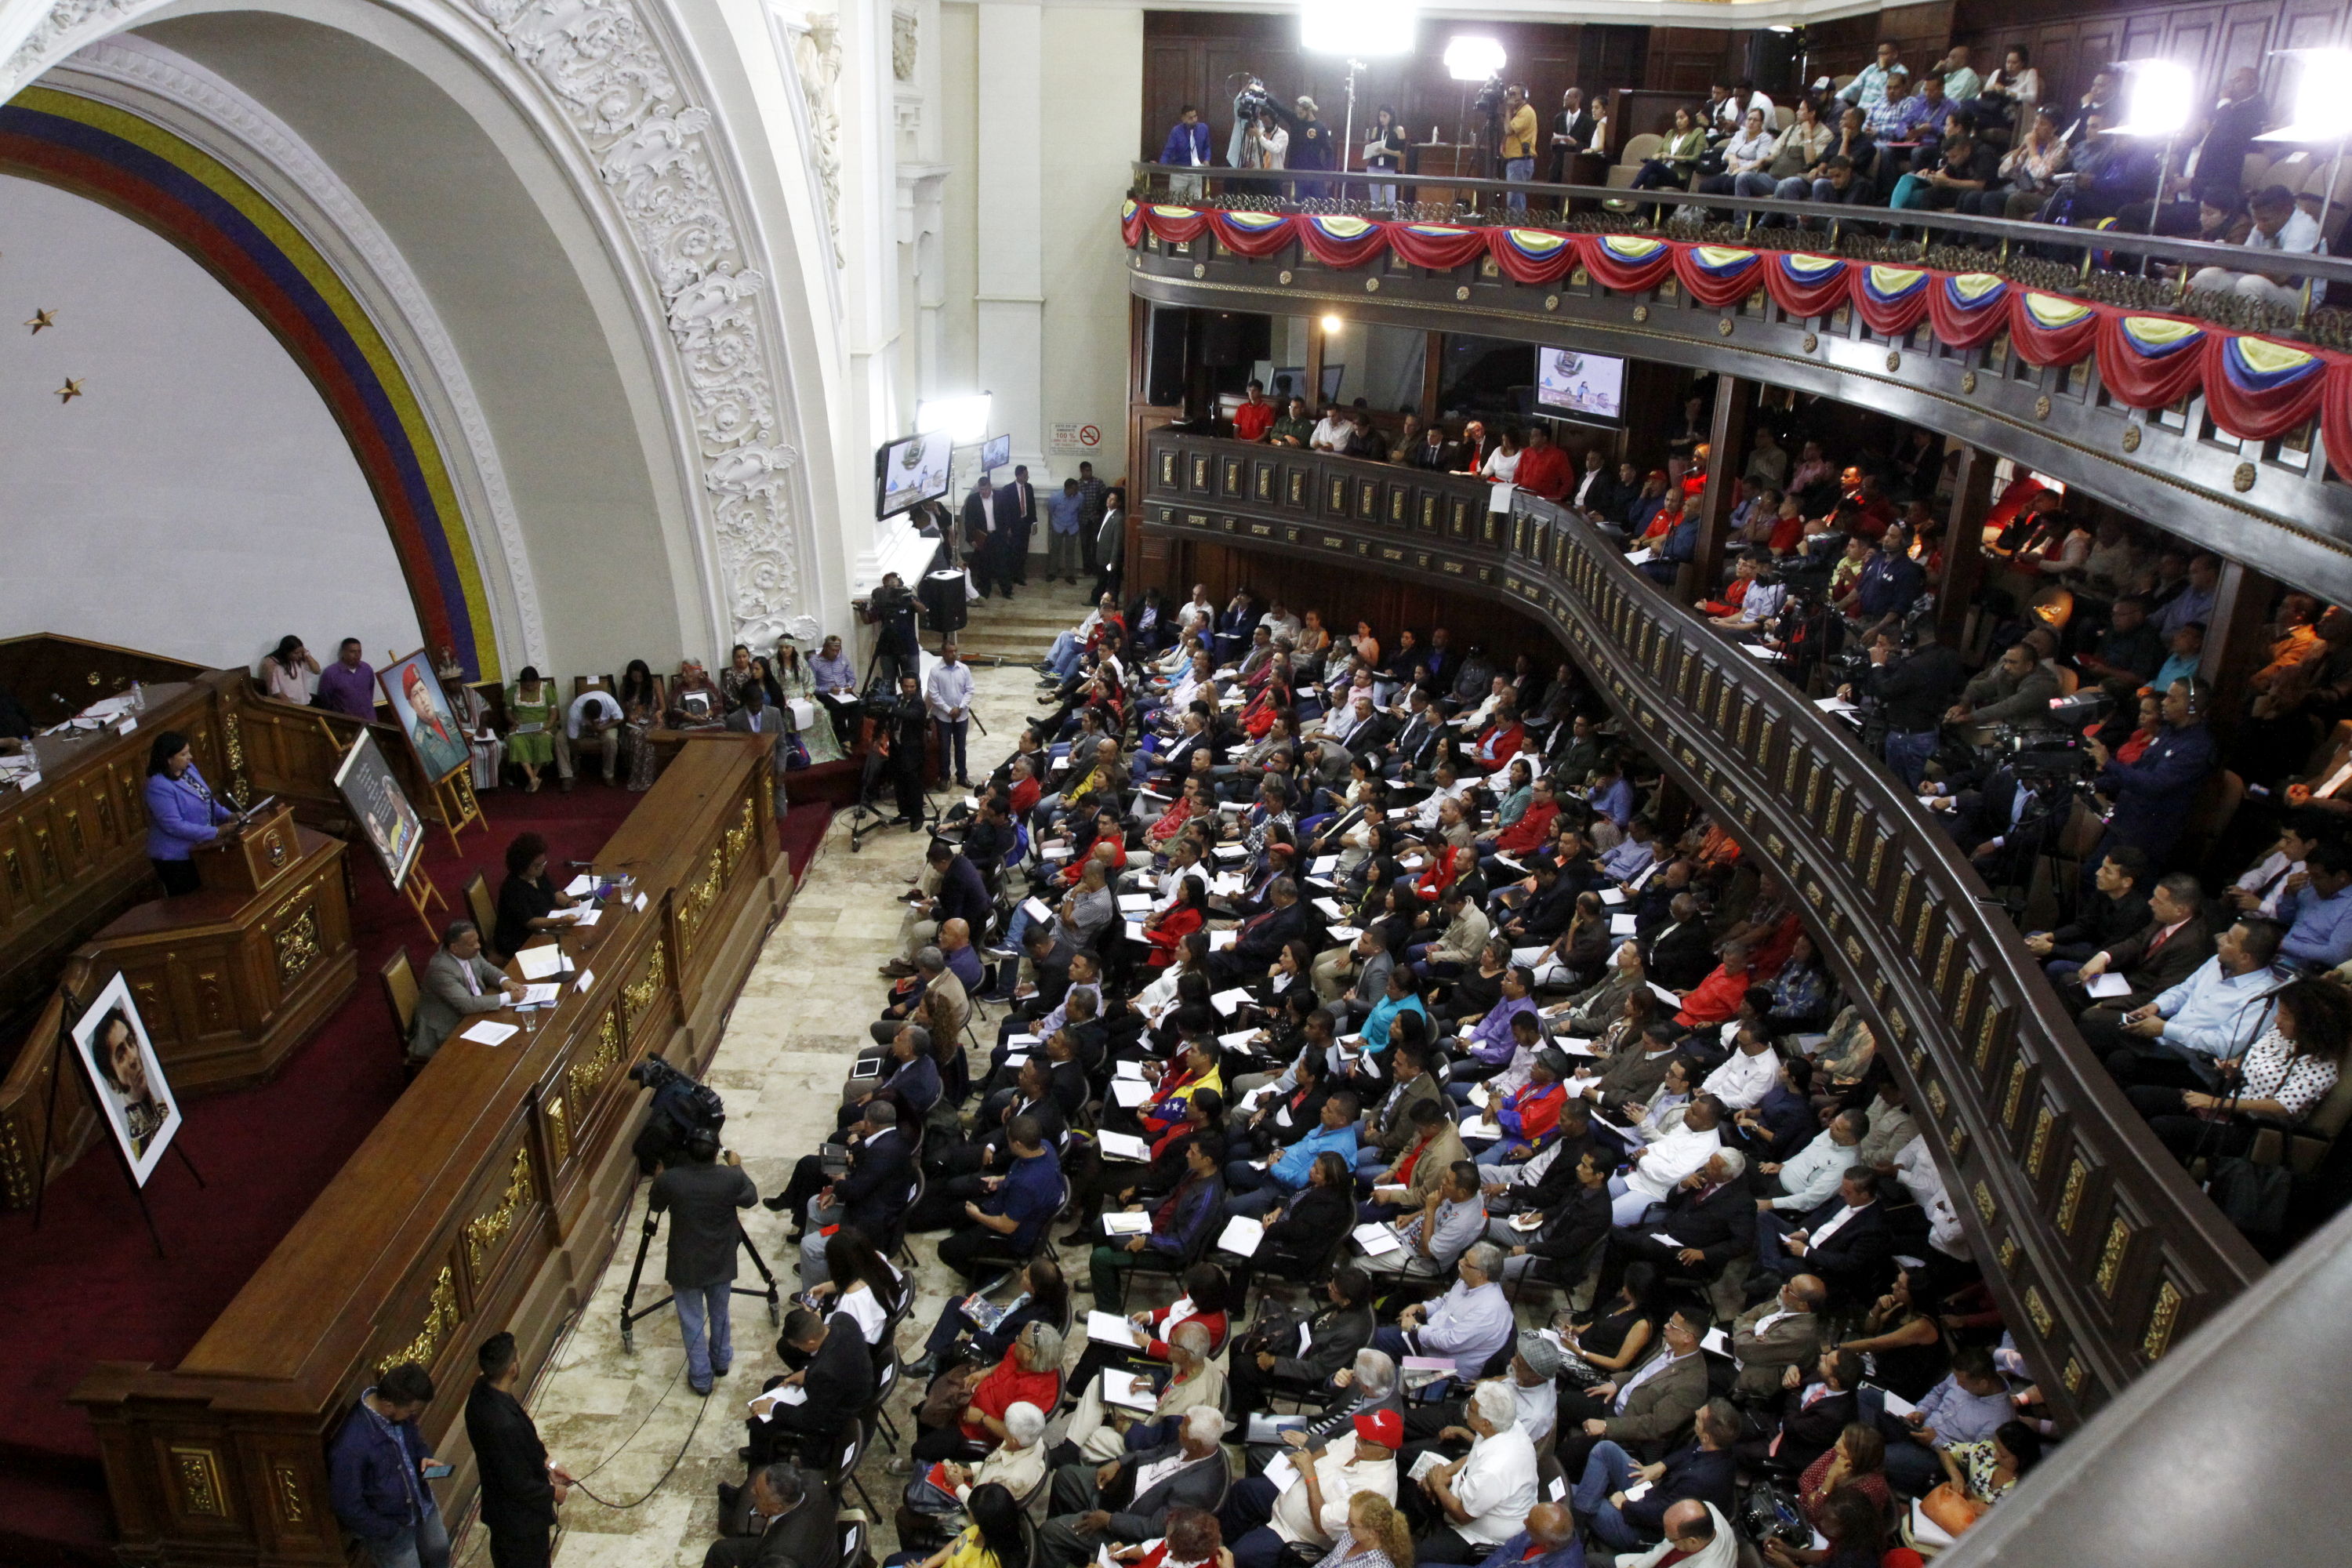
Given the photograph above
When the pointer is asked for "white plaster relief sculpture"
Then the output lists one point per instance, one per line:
(817, 58)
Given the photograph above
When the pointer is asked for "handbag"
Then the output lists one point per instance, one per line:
(2252, 1197)
(944, 1400)
(1771, 1513)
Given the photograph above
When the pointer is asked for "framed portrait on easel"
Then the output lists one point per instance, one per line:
(141, 1112)
(426, 716)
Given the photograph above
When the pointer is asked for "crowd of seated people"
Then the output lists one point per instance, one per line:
(1434, 1122)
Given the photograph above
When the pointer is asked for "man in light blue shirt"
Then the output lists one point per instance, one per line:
(1254, 1186)
(1868, 89)
(1610, 795)
(1470, 1322)
(2319, 914)
(1065, 515)
(2181, 1039)
(1633, 855)
(1452, 1217)
(1899, 115)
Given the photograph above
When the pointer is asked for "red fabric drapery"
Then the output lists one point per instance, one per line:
(2040, 341)
(2138, 378)
(2336, 412)
(1718, 278)
(1804, 289)
(1175, 226)
(1526, 255)
(1341, 241)
(1249, 233)
(1627, 264)
(1891, 300)
(1440, 246)
(2263, 408)
(1964, 320)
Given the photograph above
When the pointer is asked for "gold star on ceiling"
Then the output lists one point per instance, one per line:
(69, 391)
(42, 319)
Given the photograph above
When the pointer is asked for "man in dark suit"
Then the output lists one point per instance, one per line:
(871, 1195)
(1701, 1470)
(836, 1382)
(1844, 1241)
(2167, 951)
(520, 1490)
(800, 1530)
(2117, 911)
(1571, 133)
(979, 512)
(1813, 1409)
(1261, 937)
(1099, 1504)
(1710, 1215)
(1015, 518)
(1680, 955)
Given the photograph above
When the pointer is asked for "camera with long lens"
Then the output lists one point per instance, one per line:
(684, 1111)
(1490, 96)
(2039, 753)
(1250, 102)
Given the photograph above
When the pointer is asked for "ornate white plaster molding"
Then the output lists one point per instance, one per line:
(147, 66)
(905, 28)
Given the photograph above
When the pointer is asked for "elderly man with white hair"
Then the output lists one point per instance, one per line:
(1706, 1221)
(1017, 1463)
(1482, 1500)
(1127, 1499)
(1470, 1322)
(1369, 1386)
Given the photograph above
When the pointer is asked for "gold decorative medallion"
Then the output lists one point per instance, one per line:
(1282, 276)
(1640, 312)
(1813, 341)
(1371, 285)
(2131, 437)
(1551, 301)
(198, 1471)
(1893, 360)
(2244, 479)
(1200, 269)
(1462, 291)
(2041, 407)
(1723, 327)
(1969, 381)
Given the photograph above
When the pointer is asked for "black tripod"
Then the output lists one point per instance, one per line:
(630, 1317)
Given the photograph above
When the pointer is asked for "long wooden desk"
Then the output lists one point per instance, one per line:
(487, 1199)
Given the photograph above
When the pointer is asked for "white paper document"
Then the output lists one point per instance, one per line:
(1323, 864)
(1135, 903)
(1426, 1463)
(1110, 1328)
(1131, 1093)
(579, 887)
(1128, 1070)
(541, 995)
(1622, 925)
(1128, 1390)
(489, 1032)
(1039, 911)
(2101, 987)
(1663, 995)
(586, 917)
(1220, 940)
(541, 963)
(1716, 1340)
(1123, 1146)
(1135, 931)
(1281, 1473)
(587, 978)
(1229, 1003)
(1612, 896)
(1241, 1236)
(1376, 1239)
(1127, 1224)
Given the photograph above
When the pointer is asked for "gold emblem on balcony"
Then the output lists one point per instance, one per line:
(1969, 382)
(1462, 291)
(1813, 341)
(2041, 407)
(2131, 438)
(1551, 301)
(1282, 276)
(1640, 312)
(1723, 328)
(1893, 360)
(2244, 479)
(2161, 1321)
(1371, 285)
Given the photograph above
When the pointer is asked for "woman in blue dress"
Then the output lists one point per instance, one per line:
(181, 813)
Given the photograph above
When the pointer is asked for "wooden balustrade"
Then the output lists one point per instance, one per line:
(487, 1198)
(2101, 1251)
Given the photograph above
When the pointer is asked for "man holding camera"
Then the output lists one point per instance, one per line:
(891, 611)
(703, 1196)
(1913, 690)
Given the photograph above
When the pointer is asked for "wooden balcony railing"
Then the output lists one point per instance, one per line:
(2102, 1253)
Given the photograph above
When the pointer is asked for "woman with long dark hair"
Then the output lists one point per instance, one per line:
(2279, 1082)
(529, 899)
(641, 706)
(181, 813)
(283, 667)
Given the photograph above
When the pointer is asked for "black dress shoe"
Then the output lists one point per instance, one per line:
(775, 1205)
(728, 1494)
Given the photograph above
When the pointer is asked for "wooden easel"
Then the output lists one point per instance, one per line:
(65, 1058)
(418, 890)
(453, 797)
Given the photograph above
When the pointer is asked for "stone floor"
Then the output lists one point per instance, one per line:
(620, 1420)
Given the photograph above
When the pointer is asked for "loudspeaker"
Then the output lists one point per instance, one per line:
(1163, 362)
(1235, 338)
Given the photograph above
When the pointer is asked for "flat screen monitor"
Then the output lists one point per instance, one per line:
(1581, 385)
(912, 471)
(995, 454)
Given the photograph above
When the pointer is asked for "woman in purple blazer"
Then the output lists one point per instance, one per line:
(181, 813)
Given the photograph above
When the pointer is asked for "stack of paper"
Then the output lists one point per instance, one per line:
(1331, 909)
(1110, 1328)
(541, 995)
(1123, 1146)
(1378, 1239)
(1038, 912)
(542, 963)
(489, 1032)
(1323, 866)
(1242, 1235)
(1127, 1224)
(579, 887)
(1229, 853)
(1663, 995)
(1345, 933)
(1129, 1391)
(1622, 925)
(1229, 1003)
(1281, 1472)
(1135, 931)
(1135, 903)
(1237, 1040)
(1130, 1093)
(1220, 940)
(2100, 987)
(1612, 896)
(586, 917)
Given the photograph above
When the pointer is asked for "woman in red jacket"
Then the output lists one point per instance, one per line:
(1166, 929)
(1191, 805)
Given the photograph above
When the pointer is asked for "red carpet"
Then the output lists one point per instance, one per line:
(87, 1287)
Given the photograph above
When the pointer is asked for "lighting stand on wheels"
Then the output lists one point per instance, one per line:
(630, 1317)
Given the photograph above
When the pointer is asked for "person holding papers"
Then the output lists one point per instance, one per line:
(1451, 1219)
(1297, 1352)
(1297, 1238)
(1421, 1170)
(1557, 1234)
(1469, 1324)
(1844, 1241)
(1706, 1221)
(975, 1329)
(1146, 1334)
(1309, 1505)
(1136, 1498)
(1659, 1167)
(1254, 1186)
(1645, 1406)
(1030, 1373)
(529, 900)
(1196, 1068)
(1104, 1427)
(1511, 1129)
(1177, 1228)
(1482, 1500)
(459, 982)
(1389, 1129)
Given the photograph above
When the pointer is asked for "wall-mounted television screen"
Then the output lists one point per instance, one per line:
(996, 453)
(1581, 385)
(912, 471)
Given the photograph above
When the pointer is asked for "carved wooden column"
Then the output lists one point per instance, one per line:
(2237, 640)
(1956, 588)
(1735, 400)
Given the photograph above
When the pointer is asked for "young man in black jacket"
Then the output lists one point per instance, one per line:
(520, 1490)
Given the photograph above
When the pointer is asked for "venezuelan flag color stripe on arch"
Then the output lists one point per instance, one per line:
(183, 194)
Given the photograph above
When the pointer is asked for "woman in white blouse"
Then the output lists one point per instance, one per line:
(1749, 150)
(288, 670)
(2017, 83)
(2279, 1082)
(852, 1273)
(1502, 464)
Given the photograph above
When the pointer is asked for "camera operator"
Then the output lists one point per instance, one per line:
(701, 1197)
(891, 609)
(2153, 795)
(681, 1108)
(1913, 691)
(910, 732)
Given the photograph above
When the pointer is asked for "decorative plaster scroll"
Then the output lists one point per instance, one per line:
(136, 62)
(816, 58)
(628, 100)
(904, 35)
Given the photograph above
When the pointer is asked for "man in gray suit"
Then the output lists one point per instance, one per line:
(1190, 1471)
(756, 718)
(459, 982)
(799, 1529)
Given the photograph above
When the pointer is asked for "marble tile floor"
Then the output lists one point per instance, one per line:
(624, 1421)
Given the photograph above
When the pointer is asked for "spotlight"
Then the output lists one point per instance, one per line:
(965, 419)
(1331, 324)
(2323, 109)
(2158, 100)
(1356, 27)
(1469, 58)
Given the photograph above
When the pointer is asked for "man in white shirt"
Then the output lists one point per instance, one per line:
(1658, 1166)
(2277, 874)
(1331, 434)
(948, 694)
(1809, 1176)
(1747, 1075)
(593, 722)
(2279, 225)
(1484, 1496)
(1311, 1508)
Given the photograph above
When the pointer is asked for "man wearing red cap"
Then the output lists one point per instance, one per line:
(1302, 1499)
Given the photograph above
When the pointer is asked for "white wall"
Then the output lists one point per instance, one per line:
(198, 499)
(1091, 143)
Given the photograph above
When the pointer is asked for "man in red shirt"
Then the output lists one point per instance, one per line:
(1544, 469)
(1254, 417)
(1532, 830)
(1716, 999)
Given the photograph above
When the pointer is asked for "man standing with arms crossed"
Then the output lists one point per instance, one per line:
(521, 1489)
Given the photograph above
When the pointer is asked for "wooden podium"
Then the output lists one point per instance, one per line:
(251, 854)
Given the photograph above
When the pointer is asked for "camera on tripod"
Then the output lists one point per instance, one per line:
(1490, 96)
(1251, 102)
(2038, 753)
(685, 1111)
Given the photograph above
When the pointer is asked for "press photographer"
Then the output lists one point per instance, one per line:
(1913, 690)
(701, 1196)
(681, 1108)
(891, 611)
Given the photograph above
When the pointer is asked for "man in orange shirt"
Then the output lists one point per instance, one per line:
(1254, 417)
